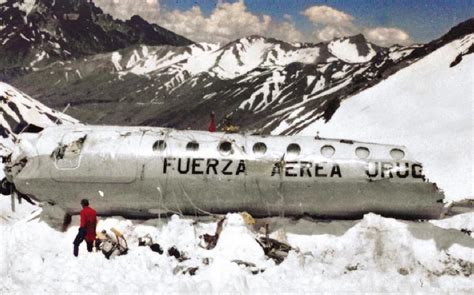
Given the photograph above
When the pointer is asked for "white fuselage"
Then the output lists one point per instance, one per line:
(146, 170)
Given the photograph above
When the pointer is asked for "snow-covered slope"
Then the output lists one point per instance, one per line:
(19, 112)
(252, 75)
(146, 75)
(146, 59)
(244, 55)
(428, 107)
(352, 50)
(374, 254)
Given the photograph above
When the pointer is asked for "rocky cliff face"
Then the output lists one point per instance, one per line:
(34, 33)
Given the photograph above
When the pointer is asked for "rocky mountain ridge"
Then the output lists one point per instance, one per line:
(260, 84)
(34, 34)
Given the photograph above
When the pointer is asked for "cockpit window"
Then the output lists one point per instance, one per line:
(192, 146)
(159, 145)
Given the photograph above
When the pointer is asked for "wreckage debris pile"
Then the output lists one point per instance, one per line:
(272, 249)
(375, 253)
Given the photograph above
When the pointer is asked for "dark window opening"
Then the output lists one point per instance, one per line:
(293, 149)
(259, 148)
(192, 146)
(159, 145)
(225, 147)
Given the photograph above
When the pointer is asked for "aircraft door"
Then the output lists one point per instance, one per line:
(67, 154)
(96, 156)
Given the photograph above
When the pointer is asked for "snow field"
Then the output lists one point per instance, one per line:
(374, 254)
(427, 107)
(235, 59)
(347, 51)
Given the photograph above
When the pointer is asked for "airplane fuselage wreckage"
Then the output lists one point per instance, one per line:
(146, 171)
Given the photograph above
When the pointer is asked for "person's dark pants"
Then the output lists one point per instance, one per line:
(81, 235)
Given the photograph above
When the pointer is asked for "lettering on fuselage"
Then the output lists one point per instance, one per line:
(236, 167)
(306, 169)
(394, 170)
(201, 166)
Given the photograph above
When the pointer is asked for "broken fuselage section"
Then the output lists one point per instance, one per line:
(150, 171)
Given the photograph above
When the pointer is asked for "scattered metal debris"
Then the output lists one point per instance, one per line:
(248, 218)
(274, 249)
(145, 241)
(148, 241)
(206, 260)
(403, 271)
(183, 270)
(354, 268)
(211, 240)
(109, 246)
(180, 256)
(156, 248)
(249, 265)
(466, 231)
(458, 207)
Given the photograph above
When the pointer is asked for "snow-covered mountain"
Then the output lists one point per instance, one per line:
(179, 86)
(261, 84)
(20, 113)
(37, 32)
(427, 106)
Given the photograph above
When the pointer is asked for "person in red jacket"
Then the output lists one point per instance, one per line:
(212, 123)
(87, 227)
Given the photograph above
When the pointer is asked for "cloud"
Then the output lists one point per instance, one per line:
(232, 20)
(228, 21)
(285, 31)
(387, 36)
(329, 23)
(327, 16)
(330, 32)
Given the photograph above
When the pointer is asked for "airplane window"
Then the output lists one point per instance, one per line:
(159, 145)
(259, 148)
(362, 152)
(293, 149)
(397, 154)
(225, 147)
(192, 146)
(328, 151)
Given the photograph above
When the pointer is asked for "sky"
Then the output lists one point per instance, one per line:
(383, 22)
